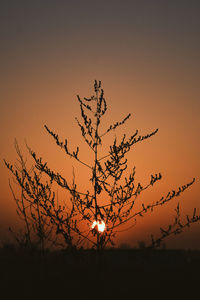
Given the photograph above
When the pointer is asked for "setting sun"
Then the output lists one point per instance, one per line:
(99, 224)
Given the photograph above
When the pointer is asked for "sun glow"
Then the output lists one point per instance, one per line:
(100, 225)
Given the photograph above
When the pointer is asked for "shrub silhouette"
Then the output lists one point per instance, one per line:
(37, 230)
(74, 223)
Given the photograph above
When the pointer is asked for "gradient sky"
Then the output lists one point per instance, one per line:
(147, 55)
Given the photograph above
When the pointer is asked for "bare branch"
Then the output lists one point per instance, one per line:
(65, 147)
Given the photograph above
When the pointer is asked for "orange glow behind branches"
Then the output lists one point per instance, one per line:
(143, 70)
(100, 225)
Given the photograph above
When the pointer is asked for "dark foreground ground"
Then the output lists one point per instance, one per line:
(117, 274)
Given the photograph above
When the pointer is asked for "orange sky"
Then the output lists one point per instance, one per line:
(147, 57)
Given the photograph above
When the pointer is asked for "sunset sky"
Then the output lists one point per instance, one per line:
(147, 55)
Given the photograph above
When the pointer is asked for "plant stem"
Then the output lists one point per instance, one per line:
(95, 167)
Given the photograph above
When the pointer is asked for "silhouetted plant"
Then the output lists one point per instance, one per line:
(37, 230)
(82, 220)
(175, 228)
